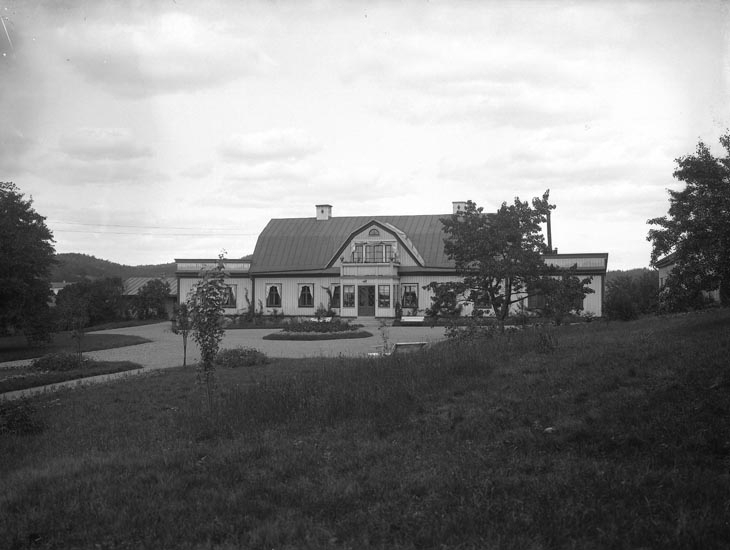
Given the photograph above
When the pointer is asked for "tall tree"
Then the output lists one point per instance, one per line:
(498, 255)
(697, 227)
(101, 301)
(151, 298)
(26, 258)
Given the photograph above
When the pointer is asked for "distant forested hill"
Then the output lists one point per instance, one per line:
(633, 273)
(74, 267)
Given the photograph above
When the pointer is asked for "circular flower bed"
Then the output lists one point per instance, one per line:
(335, 329)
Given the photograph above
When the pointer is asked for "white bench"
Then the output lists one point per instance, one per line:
(400, 348)
(407, 347)
(412, 320)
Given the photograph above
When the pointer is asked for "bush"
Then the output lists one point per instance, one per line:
(62, 361)
(335, 325)
(240, 357)
(19, 418)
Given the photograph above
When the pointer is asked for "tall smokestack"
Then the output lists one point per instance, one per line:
(550, 234)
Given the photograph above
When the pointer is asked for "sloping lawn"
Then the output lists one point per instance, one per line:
(14, 348)
(28, 377)
(587, 437)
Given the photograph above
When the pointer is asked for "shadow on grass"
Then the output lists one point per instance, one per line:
(27, 377)
(15, 348)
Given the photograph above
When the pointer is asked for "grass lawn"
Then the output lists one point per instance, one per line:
(13, 348)
(600, 435)
(13, 379)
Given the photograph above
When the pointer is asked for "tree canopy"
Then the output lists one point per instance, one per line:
(26, 258)
(696, 229)
(151, 298)
(500, 256)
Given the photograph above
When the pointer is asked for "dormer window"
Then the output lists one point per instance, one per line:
(371, 253)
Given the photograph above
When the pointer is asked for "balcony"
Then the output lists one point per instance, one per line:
(369, 269)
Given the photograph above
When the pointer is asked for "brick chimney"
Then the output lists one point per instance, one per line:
(459, 207)
(324, 211)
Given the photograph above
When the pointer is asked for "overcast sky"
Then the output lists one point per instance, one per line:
(152, 130)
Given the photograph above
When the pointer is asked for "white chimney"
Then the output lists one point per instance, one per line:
(459, 207)
(324, 211)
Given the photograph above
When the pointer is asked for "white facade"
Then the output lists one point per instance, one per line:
(373, 271)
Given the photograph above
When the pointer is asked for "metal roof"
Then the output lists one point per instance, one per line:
(132, 285)
(301, 244)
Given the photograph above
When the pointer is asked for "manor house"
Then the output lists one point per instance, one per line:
(360, 266)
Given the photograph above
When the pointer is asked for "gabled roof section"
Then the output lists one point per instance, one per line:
(399, 235)
(133, 285)
(308, 244)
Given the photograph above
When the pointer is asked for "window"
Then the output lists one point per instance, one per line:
(357, 254)
(383, 295)
(306, 299)
(410, 296)
(371, 254)
(335, 296)
(348, 296)
(388, 253)
(374, 232)
(230, 296)
(273, 295)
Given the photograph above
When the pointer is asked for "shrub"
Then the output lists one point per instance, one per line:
(62, 361)
(240, 357)
(335, 325)
(19, 418)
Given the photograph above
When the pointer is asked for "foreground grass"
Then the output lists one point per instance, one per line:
(29, 377)
(593, 436)
(14, 348)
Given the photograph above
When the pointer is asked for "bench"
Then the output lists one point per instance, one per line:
(412, 320)
(407, 347)
(400, 348)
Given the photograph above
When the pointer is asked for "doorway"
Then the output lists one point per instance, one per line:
(366, 301)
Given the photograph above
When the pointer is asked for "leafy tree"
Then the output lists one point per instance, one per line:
(151, 299)
(697, 227)
(628, 296)
(446, 298)
(205, 304)
(100, 300)
(564, 294)
(498, 255)
(26, 258)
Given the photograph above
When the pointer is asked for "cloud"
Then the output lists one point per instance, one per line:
(165, 53)
(273, 145)
(102, 144)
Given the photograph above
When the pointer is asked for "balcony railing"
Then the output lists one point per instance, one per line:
(394, 259)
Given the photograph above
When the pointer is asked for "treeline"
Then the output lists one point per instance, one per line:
(73, 267)
(90, 303)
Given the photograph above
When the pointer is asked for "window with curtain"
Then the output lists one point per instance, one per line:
(410, 296)
(306, 298)
(348, 296)
(273, 295)
(383, 295)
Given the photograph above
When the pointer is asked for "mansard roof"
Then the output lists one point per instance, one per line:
(308, 244)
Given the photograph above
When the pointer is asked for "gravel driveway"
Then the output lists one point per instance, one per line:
(165, 349)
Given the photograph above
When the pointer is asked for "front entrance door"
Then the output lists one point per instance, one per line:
(365, 301)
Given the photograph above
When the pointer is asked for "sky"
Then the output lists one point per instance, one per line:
(146, 131)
